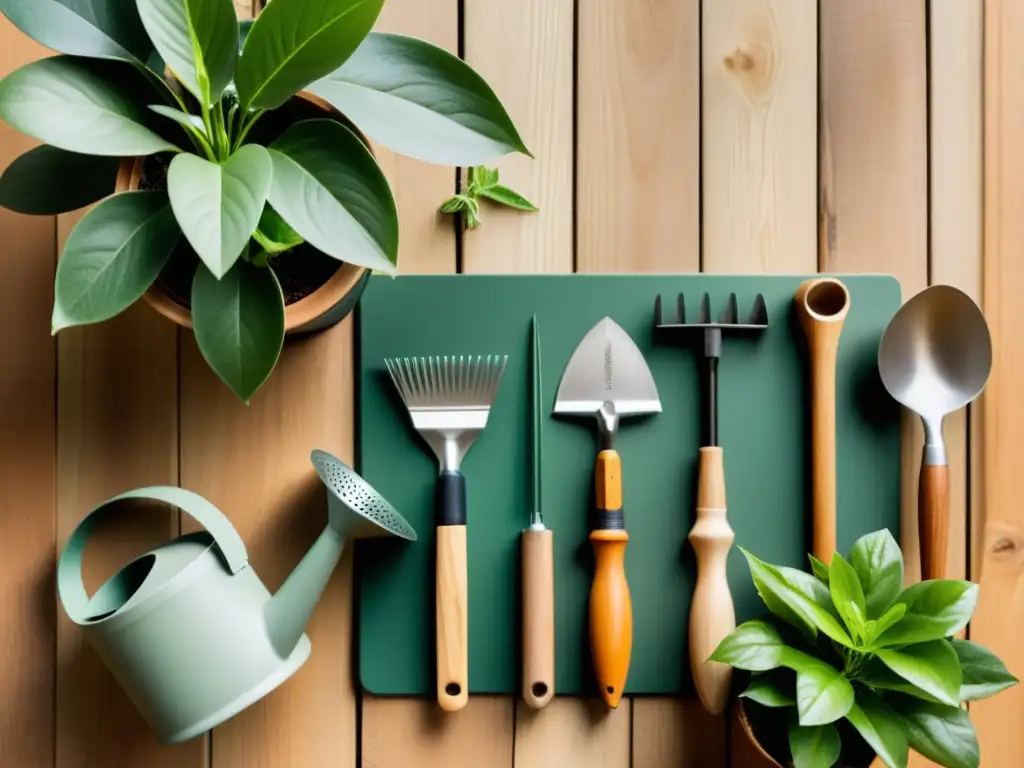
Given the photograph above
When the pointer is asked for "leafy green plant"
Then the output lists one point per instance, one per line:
(483, 183)
(248, 184)
(847, 646)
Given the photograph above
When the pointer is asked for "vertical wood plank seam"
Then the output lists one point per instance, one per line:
(53, 511)
(574, 230)
(460, 231)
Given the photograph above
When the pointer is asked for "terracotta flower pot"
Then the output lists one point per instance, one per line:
(326, 306)
(744, 720)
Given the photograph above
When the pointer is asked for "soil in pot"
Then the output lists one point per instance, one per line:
(770, 727)
(301, 271)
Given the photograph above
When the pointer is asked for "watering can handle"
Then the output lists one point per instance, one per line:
(69, 569)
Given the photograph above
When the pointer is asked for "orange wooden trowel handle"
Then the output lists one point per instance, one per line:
(611, 611)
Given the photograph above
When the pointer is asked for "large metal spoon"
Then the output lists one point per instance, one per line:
(934, 358)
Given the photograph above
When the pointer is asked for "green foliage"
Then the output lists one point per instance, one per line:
(483, 182)
(866, 651)
(185, 80)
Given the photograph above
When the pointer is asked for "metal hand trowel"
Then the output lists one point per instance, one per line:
(607, 379)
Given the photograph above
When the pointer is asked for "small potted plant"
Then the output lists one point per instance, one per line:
(852, 670)
(238, 193)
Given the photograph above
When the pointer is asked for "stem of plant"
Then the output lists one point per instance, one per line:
(247, 123)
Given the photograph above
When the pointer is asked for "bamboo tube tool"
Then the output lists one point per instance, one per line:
(822, 304)
(712, 615)
(538, 564)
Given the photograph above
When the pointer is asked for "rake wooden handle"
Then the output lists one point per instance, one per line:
(611, 610)
(712, 615)
(933, 519)
(538, 617)
(452, 593)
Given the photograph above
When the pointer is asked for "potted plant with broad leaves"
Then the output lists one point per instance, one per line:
(239, 194)
(851, 669)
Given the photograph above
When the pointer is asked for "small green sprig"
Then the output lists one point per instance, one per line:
(483, 182)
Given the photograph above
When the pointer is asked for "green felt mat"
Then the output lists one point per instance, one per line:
(763, 425)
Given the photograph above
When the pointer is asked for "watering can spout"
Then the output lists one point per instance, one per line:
(287, 613)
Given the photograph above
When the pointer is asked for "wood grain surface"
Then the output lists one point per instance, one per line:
(1000, 610)
(27, 462)
(669, 136)
(759, 97)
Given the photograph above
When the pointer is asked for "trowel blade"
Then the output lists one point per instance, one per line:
(607, 367)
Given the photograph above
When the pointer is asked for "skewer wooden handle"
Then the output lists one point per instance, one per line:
(611, 611)
(712, 615)
(452, 593)
(538, 617)
(933, 519)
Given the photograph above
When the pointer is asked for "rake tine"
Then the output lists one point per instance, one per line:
(680, 309)
(704, 314)
(759, 312)
(730, 315)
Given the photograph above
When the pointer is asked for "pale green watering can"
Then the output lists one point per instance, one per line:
(188, 629)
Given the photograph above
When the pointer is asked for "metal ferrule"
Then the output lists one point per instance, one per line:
(934, 445)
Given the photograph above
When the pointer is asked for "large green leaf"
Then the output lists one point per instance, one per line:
(769, 580)
(879, 677)
(239, 324)
(877, 559)
(941, 733)
(984, 674)
(881, 728)
(81, 105)
(816, 746)
(823, 694)
(331, 191)
(935, 609)
(112, 256)
(197, 39)
(754, 645)
(96, 28)
(46, 181)
(422, 101)
(296, 42)
(218, 205)
(933, 667)
(847, 594)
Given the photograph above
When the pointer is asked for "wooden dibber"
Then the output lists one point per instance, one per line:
(822, 304)
(712, 615)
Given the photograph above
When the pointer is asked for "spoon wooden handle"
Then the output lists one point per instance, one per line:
(933, 519)
(712, 616)
(538, 617)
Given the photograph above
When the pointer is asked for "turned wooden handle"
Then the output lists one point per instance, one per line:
(452, 618)
(611, 611)
(538, 617)
(712, 616)
(933, 519)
